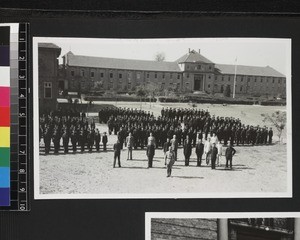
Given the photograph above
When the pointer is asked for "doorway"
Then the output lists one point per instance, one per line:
(198, 82)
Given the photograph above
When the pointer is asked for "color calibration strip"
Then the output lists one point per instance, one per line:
(13, 116)
(5, 116)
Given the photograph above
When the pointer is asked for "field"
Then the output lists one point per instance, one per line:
(258, 169)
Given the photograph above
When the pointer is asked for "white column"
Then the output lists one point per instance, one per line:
(223, 229)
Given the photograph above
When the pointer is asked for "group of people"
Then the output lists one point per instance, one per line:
(211, 149)
(60, 129)
(194, 123)
(175, 127)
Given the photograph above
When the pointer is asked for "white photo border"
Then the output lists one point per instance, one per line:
(36, 167)
(214, 215)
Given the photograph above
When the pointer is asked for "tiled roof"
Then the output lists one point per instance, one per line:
(124, 64)
(48, 45)
(248, 70)
(193, 57)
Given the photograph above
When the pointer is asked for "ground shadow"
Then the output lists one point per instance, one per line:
(188, 177)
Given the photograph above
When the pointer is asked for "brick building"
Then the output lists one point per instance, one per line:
(48, 54)
(190, 73)
(225, 229)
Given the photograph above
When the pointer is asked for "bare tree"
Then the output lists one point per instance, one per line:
(160, 57)
(140, 92)
(277, 119)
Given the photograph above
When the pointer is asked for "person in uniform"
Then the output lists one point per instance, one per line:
(117, 153)
(166, 146)
(174, 144)
(220, 150)
(207, 150)
(74, 141)
(187, 150)
(169, 160)
(214, 153)
(129, 144)
(104, 141)
(199, 151)
(230, 151)
(150, 154)
(97, 139)
(270, 134)
(65, 138)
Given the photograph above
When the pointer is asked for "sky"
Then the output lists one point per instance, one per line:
(271, 52)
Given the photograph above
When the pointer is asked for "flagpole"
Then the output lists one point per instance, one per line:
(234, 79)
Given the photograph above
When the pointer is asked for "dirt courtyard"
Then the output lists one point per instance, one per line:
(258, 169)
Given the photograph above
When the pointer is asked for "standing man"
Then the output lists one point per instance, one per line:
(117, 153)
(207, 150)
(214, 153)
(104, 141)
(270, 133)
(170, 160)
(230, 151)
(150, 154)
(129, 143)
(174, 145)
(97, 139)
(167, 144)
(199, 151)
(220, 150)
(66, 138)
(187, 150)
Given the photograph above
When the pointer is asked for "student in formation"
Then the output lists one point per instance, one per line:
(230, 151)
(117, 153)
(170, 160)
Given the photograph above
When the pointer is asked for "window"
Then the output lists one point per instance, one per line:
(209, 67)
(187, 67)
(228, 78)
(222, 78)
(248, 79)
(129, 75)
(208, 76)
(163, 75)
(267, 80)
(279, 81)
(187, 75)
(241, 88)
(147, 75)
(129, 85)
(178, 76)
(273, 80)
(111, 75)
(255, 79)
(92, 74)
(155, 75)
(208, 86)
(82, 73)
(120, 75)
(222, 88)
(138, 75)
(261, 80)
(171, 75)
(102, 74)
(199, 67)
(47, 89)
(242, 79)
(72, 73)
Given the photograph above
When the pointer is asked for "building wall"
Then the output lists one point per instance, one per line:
(183, 229)
(48, 74)
(128, 80)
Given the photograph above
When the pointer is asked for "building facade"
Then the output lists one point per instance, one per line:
(191, 73)
(48, 72)
(225, 229)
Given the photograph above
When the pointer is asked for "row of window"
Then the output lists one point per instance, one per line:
(198, 67)
(248, 79)
(129, 75)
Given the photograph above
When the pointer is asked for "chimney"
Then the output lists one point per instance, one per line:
(199, 50)
(189, 50)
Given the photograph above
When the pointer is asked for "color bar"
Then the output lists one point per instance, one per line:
(5, 116)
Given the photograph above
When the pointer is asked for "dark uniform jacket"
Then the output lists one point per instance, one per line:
(230, 151)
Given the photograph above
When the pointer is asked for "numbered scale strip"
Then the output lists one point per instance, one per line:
(19, 122)
(23, 113)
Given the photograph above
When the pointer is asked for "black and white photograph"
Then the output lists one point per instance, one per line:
(222, 226)
(164, 118)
